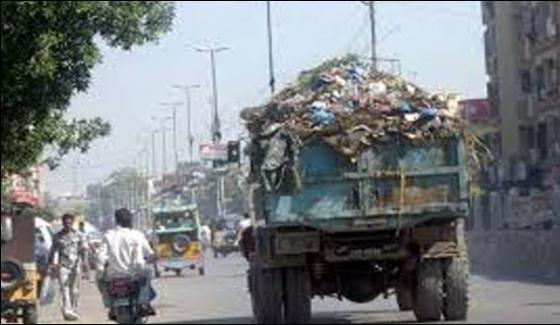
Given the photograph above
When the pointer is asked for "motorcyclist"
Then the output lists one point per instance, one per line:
(126, 253)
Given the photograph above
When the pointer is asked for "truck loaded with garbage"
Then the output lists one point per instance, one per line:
(359, 189)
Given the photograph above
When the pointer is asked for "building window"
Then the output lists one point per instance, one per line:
(557, 70)
(550, 76)
(542, 141)
(540, 83)
(526, 82)
(493, 92)
(542, 16)
(555, 129)
(527, 138)
(552, 68)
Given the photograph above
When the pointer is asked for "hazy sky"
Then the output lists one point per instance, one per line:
(440, 45)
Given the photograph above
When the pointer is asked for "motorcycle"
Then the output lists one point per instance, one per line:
(124, 300)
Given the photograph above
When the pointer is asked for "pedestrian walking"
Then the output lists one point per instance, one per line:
(65, 261)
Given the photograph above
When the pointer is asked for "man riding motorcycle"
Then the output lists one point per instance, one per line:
(124, 257)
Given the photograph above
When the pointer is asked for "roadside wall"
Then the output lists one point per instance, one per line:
(534, 253)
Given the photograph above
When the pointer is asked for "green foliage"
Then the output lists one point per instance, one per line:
(48, 50)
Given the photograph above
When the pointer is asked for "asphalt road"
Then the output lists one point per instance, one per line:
(221, 298)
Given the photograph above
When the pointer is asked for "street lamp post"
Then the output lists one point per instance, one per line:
(190, 136)
(173, 117)
(216, 128)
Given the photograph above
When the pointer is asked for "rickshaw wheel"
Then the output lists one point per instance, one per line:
(30, 315)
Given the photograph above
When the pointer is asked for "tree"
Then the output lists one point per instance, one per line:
(48, 51)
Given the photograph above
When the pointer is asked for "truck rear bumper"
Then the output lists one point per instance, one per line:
(295, 245)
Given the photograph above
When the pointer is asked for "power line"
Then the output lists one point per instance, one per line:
(358, 34)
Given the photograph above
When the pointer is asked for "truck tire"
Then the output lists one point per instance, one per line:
(428, 298)
(297, 296)
(456, 288)
(404, 293)
(266, 295)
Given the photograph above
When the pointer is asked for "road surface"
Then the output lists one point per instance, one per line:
(221, 298)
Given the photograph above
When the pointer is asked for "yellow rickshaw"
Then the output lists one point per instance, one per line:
(177, 239)
(20, 279)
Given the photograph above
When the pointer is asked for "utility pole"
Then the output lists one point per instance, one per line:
(147, 159)
(371, 5)
(154, 167)
(173, 117)
(76, 177)
(272, 79)
(216, 127)
(190, 137)
(100, 222)
(163, 148)
(134, 185)
(175, 148)
(152, 177)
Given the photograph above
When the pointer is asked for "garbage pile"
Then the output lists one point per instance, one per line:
(351, 109)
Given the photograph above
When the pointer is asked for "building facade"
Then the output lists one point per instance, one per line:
(522, 50)
(522, 41)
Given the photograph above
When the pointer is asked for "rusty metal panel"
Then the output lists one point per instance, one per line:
(410, 179)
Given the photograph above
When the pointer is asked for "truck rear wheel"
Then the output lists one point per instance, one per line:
(428, 298)
(456, 287)
(297, 296)
(266, 295)
(405, 298)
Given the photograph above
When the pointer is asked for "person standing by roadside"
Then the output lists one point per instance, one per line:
(65, 262)
(84, 256)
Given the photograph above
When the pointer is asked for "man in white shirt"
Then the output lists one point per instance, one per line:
(245, 240)
(245, 223)
(205, 237)
(124, 253)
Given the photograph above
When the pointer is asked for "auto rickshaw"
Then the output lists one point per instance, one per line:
(224, 239)
(177, 239)
(20, 277)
